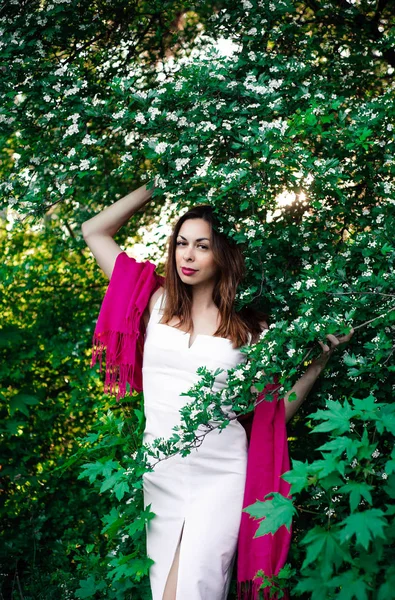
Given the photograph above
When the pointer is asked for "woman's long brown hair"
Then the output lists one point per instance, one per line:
(235, 326)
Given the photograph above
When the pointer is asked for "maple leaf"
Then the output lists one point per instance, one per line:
(274, 512)
(356, 489)
(298, 476)
(364, 525)
(336, 416)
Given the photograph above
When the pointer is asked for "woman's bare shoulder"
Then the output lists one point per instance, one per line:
(154, 298)
(151, 304)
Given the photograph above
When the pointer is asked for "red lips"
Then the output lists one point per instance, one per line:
(188, 271)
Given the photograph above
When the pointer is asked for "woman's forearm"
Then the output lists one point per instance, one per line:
(301, 388)
(109, 220)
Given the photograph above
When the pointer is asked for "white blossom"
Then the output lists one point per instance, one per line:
(120, 114)
(161, 147)
(84, 164)
(153, 112)
(88, 140)
(71, 129)
(181, 162)
(140, 118)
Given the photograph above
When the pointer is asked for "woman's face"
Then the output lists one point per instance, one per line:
(194, 256)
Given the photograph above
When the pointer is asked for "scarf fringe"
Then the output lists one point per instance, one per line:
(116, 374)
(249, 590)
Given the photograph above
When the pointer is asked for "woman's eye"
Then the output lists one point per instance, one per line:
(199, 245)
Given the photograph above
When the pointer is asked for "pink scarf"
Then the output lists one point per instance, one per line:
(120, 328)
(267, 461)
(120, 331)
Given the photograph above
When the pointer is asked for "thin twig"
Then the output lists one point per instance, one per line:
(389, 356)
(374, 319)
(361, 293)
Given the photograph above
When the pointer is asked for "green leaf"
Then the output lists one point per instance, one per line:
(350, 360)
(129, 567)
(89, 587)
(341, 444)
(389, 487)
(112, 522)
(364, 525)
(351, 586)
(357, 489)
(21, 402)
(120, 489)
(388, 418)
(298, 476)
(368, 408)
(275, 512)
(139, 523)
(323, 545)
(111, 481)
(328, 465)
(387, 590)
(91, 470)
(336, 416)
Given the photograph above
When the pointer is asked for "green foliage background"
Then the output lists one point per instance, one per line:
(304, 105)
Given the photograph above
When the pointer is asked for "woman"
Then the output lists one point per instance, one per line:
(189, 321)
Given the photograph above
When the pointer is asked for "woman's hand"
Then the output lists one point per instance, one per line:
(327, 350)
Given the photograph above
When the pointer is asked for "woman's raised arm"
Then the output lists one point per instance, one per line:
(98, 231)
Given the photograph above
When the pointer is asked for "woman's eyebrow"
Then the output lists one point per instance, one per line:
(197, 239)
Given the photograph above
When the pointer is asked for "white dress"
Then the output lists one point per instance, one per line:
(202, 491)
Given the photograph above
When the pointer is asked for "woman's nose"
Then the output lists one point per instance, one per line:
(188, 253)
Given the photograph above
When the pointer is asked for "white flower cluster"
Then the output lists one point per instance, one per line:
(71, 130)
(84, 164)
(140, 118)
(8, 121)
(276, 124)
(119, 114)
(238, 374)
(71, 91)
(172, 116)
(153, 111)
(181, 162)
(61, 71)
(206, 126)
(161, 147)
(310, 283)
(74, 127)
(88, 140)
